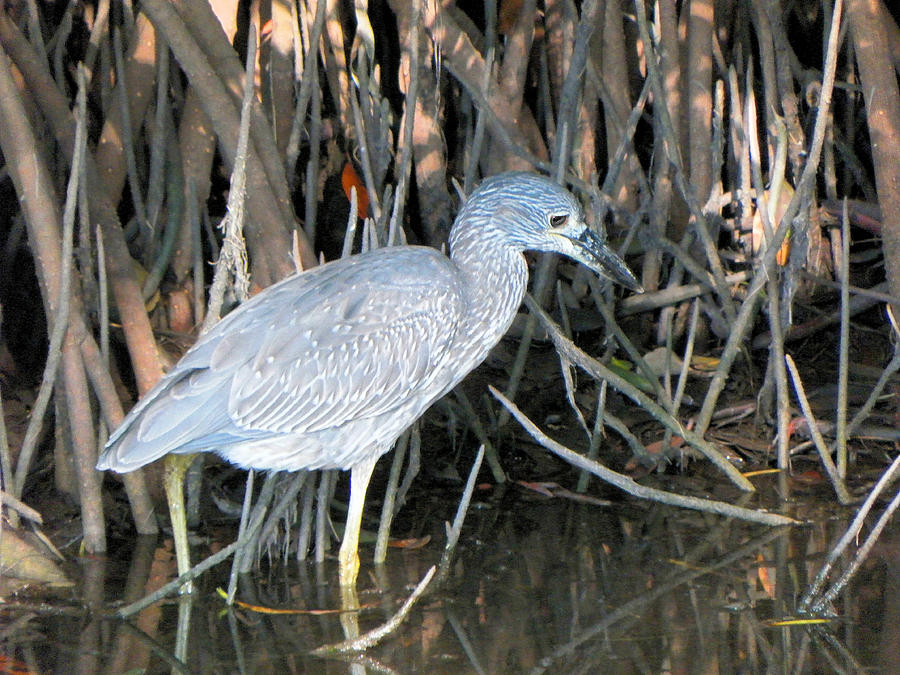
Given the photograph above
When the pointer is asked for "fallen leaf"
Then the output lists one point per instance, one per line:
(350, 179)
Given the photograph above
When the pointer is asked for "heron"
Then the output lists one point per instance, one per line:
(327, 368)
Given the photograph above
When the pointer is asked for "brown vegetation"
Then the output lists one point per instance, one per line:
(715, 138)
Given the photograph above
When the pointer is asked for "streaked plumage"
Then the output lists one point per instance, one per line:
(327, 368)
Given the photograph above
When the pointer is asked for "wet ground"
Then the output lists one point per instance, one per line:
(538, 585)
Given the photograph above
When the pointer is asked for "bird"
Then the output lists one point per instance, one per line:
(327, 368)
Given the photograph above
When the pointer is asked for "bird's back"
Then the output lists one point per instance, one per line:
(310, 373)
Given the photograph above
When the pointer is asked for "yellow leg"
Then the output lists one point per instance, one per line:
(348, 556)
(173, 481)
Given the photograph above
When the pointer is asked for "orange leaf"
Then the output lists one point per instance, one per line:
(410, 544)
(656, 447)
(350, 179)
(764, 576)
(810, 477)
(783, 253)
(11, 666)
(545, 489)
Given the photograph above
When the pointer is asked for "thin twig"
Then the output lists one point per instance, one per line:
(159, 139)
(701, 227)
(453, 531)
(390, 493)
(60, 322)
(861, 554)
(313, 168)
(137, 200)
(404, 165)
(175, 585)
(376, 635)
(635, 489)
(821, 446)
(174, 189)
(242, 529)
(843, 349)
(308, 82)
(598, 370)
(743, 322)
(813, 593)
(6, 472)
(9, 501)
(883, 379)
(574, 86)
(233, 256)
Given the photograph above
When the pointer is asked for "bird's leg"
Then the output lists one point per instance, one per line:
(173, 481)
(349, 616)
(348, 556)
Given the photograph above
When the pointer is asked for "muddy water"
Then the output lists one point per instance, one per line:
(538, 585)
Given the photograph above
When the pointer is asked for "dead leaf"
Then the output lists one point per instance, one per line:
(21, 559)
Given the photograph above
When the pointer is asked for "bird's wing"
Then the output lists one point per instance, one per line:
(347, 340)
(358, 345)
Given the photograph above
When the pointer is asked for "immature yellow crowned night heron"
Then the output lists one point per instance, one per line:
(328, 367)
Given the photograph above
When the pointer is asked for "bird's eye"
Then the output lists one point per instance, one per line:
(559, 220)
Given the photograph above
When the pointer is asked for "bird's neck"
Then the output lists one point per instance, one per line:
(493, 278)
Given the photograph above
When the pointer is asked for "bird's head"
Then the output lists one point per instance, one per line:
(528, 211)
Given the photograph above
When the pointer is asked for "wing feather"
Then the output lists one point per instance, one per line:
(353, 355)
(343, 341)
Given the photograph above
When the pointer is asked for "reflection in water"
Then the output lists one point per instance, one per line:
(546, 587)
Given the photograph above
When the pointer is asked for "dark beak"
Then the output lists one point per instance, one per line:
(603, 260)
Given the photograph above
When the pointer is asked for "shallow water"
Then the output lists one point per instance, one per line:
(538, 585)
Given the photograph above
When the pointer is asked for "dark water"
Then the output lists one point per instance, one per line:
(538, 585)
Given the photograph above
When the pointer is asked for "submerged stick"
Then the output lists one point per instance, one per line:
(374, 636)
(814, 600)
(175, 584)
